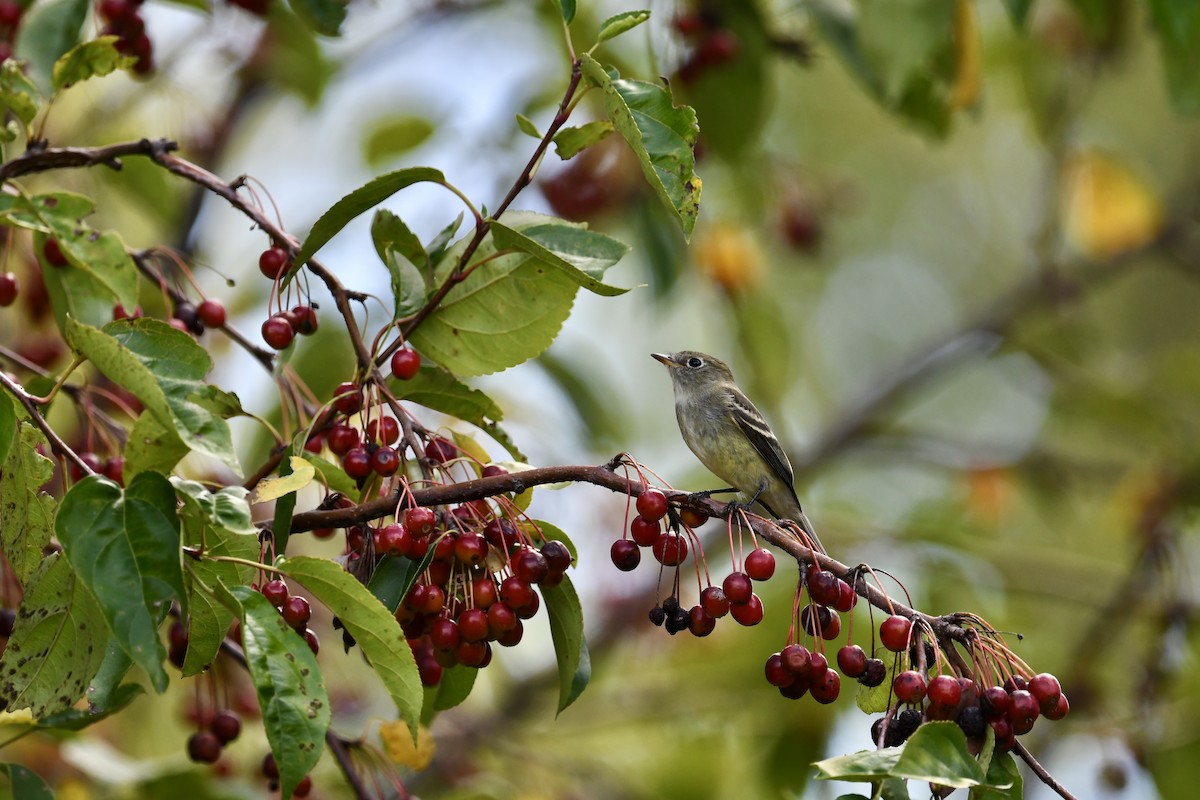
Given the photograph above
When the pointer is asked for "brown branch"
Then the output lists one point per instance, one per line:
(44, 159)
(35, 414)
(1044, 776)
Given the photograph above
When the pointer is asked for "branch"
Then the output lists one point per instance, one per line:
(35, 414)
(44, 159)
(1044, 776)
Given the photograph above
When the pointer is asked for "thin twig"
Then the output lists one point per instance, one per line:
(1044, 776)
(35, 414)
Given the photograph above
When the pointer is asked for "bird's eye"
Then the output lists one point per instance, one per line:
(695, 363)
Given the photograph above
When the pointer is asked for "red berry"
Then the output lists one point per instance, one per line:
(692, 518)
(714, 602)
(484, 591)
(357, 463)
(670, 549)
(817, 665)
(625, 554)
(277, 332)
(827, 689)
(394, 539)
(303, 787)
(114, 469)
(700, 622)
(8, 289)
(385, 430)
(738, 587)
(211, 313)
(995, 702)
(204, 747)
(852, 660)
(347, 397)
(117, 10)
(1046, 689)
(644, 531)
(406, 363)
(342, 439)
(312, 641)
(1060, 708)
(273, 262)
(470, 549)
(760, 564)
(1023, 712)
(749, 613)
(823, 587)
(303, 319)
(440, 450)
(419, 520)
(776, 673)
(54, 254)
(226, 726)
(493, 471)
(846, 598)
(893, 633)
(276, 592)
(385, 461)
(945, 691)
(652, 504)
(557, 556)
(473, 625)
(296, 611)
(909, 686)
(430, 672)
(501, 618)
(270, 769)
(516, 593)
(530, 566)
(797, 659)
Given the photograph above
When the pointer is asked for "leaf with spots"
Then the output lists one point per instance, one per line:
(124, 546)
(74, 719)
(26, 512)
(92, 59)
(219, 524)
(57, 644)
(291, 690)
(372, 626)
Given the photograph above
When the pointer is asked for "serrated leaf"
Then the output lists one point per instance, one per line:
(165, 369)
(124, 546)
(25, 784)
(74, 719)
(437, 245)
(580, 254)
(408, 285)
(47, 31)
(570, 648)
(569, 142)
(323, 16)
(568, 10)
(937, 753)
(152, 447)
(274, 487)
(620, 23)
(57, 643)
(394, 136)
(218, 523)
(362, 199)
(437, 389)
(374, 628)
(18, 95)
(290, 687)
(26, 513)
(660, 133)
(93, 59)
(455, 686)
(865, 765)
(525, 124)
(388, 232)
(505, 312)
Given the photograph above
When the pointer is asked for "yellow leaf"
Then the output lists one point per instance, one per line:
(276, 487)
(967, 52)
(398, 742)
(730, 257)
(1107, 209)
(473, 449)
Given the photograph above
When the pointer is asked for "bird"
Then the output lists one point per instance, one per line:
(729, 435)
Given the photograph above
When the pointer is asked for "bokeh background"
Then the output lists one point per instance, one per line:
(950, 248)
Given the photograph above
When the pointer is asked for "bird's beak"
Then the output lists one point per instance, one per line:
(665, 360)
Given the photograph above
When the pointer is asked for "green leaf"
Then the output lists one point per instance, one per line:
(389, 233)
(660, 133)
(569, 142)
(165, 369)
(47, 31)
(937, 753)
(1004, 780)
(393, 136)
(25, 784)
(570, 648)
(505, 312)
(291, 690)
(620, 23)
(323, 16)
(372, 626)
(297, 63)
(124, 546)
(57, 644)
(865, 765)
(106, 684)
(1178, 28)
(875, 699)
(568, 10)
(18, 95)
(26, 513)
(220, 524)
(391, 579)
(527, 127)
(437, 389)
(362, 199)
(281, 522)
(580, 254)
(1018, 11)
(74, 719)
(8, 426)
(333, 475)
(152, 447)
(437, 245)
(455, 686)
(549, 532)
(93, 59)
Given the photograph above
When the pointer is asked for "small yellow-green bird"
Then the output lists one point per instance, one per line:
(730, 437)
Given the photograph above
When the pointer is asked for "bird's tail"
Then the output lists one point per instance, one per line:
(803, 521)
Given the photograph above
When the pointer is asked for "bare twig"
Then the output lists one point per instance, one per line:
(1044, 776)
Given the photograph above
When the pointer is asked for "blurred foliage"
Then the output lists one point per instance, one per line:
(952, 249)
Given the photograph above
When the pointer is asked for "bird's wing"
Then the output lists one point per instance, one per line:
(759, 433)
